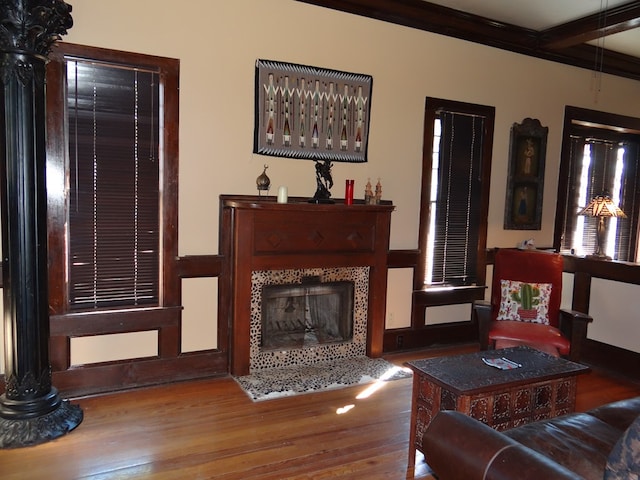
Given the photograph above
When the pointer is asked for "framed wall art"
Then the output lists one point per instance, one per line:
(525, 178)
(311, 113)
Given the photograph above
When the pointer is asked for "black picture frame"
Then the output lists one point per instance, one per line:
(525, 177)
(311, 113)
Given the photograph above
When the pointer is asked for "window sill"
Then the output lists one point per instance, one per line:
(447, 295)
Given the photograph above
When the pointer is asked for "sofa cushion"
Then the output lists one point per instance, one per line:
(529, 334)
(579, 441)
(624, 460)
(524, 301)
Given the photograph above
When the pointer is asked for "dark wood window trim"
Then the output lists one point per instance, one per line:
(583, 121)
(57, 165)
(432, 108)
(165, 318)
(423, 296)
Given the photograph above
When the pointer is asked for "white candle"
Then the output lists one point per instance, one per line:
(282, 194)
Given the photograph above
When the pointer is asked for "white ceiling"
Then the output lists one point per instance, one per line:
(542, 14)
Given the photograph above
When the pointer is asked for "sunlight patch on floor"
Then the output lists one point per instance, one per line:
(378, 384)
(345, 409)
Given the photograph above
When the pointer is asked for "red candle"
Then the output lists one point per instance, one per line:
(348, 193)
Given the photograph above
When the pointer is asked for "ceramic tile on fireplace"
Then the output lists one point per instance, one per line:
(305, 347)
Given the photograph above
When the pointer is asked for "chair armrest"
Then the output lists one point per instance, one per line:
(481, 314)
(457, 446)
(573, 325)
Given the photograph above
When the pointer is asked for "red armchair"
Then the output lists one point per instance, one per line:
(526, 292)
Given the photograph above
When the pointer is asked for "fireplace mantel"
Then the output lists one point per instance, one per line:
(257, 233)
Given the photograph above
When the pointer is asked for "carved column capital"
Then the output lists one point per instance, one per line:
(33, 27)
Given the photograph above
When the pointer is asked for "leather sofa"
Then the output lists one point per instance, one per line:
(573, 446)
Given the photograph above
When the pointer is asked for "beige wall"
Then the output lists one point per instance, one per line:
(218, 42)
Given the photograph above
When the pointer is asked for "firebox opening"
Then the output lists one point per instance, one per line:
(306, 314)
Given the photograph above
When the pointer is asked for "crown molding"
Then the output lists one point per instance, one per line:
(564, 43)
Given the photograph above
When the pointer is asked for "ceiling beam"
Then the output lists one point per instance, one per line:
(437, 19)
(434, 18)
(615, 20)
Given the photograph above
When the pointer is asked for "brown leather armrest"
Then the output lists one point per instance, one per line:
(573, 325)
(457, 446)
(520, 462)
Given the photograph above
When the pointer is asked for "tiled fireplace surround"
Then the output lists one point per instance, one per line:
(270, 243)
(260, 359)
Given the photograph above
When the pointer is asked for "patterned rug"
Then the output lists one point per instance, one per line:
(284, 382)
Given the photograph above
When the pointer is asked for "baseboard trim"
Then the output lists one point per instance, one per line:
(614, 360)
(402, 339)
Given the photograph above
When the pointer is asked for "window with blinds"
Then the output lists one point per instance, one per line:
(456, 188)
(114, 229)
(599, 165)
(600, 155)
(458, 191)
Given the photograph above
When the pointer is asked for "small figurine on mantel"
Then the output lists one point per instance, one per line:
(378, 192)
(263, 182)
(324, 182)
(368, 193)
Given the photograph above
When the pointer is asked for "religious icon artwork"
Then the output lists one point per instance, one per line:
(311, 113)
(525, 180)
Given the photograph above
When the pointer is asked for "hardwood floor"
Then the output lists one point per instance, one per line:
(211, 429)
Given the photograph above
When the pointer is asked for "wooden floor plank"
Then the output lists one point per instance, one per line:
(212, 429)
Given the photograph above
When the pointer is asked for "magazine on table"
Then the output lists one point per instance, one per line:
(501, 363)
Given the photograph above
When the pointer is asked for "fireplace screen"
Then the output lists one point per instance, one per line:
(302, 315)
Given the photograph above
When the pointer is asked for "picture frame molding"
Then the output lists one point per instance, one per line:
(525, 176)
(333, 106)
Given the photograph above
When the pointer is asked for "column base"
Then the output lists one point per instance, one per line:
(16, 433)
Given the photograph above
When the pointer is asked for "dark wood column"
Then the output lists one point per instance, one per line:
(31, 411)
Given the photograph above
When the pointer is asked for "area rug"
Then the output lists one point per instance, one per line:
(295, 380)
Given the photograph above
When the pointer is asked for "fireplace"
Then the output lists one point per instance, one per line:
(352, 281)
(305, 315)
(266, 243)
